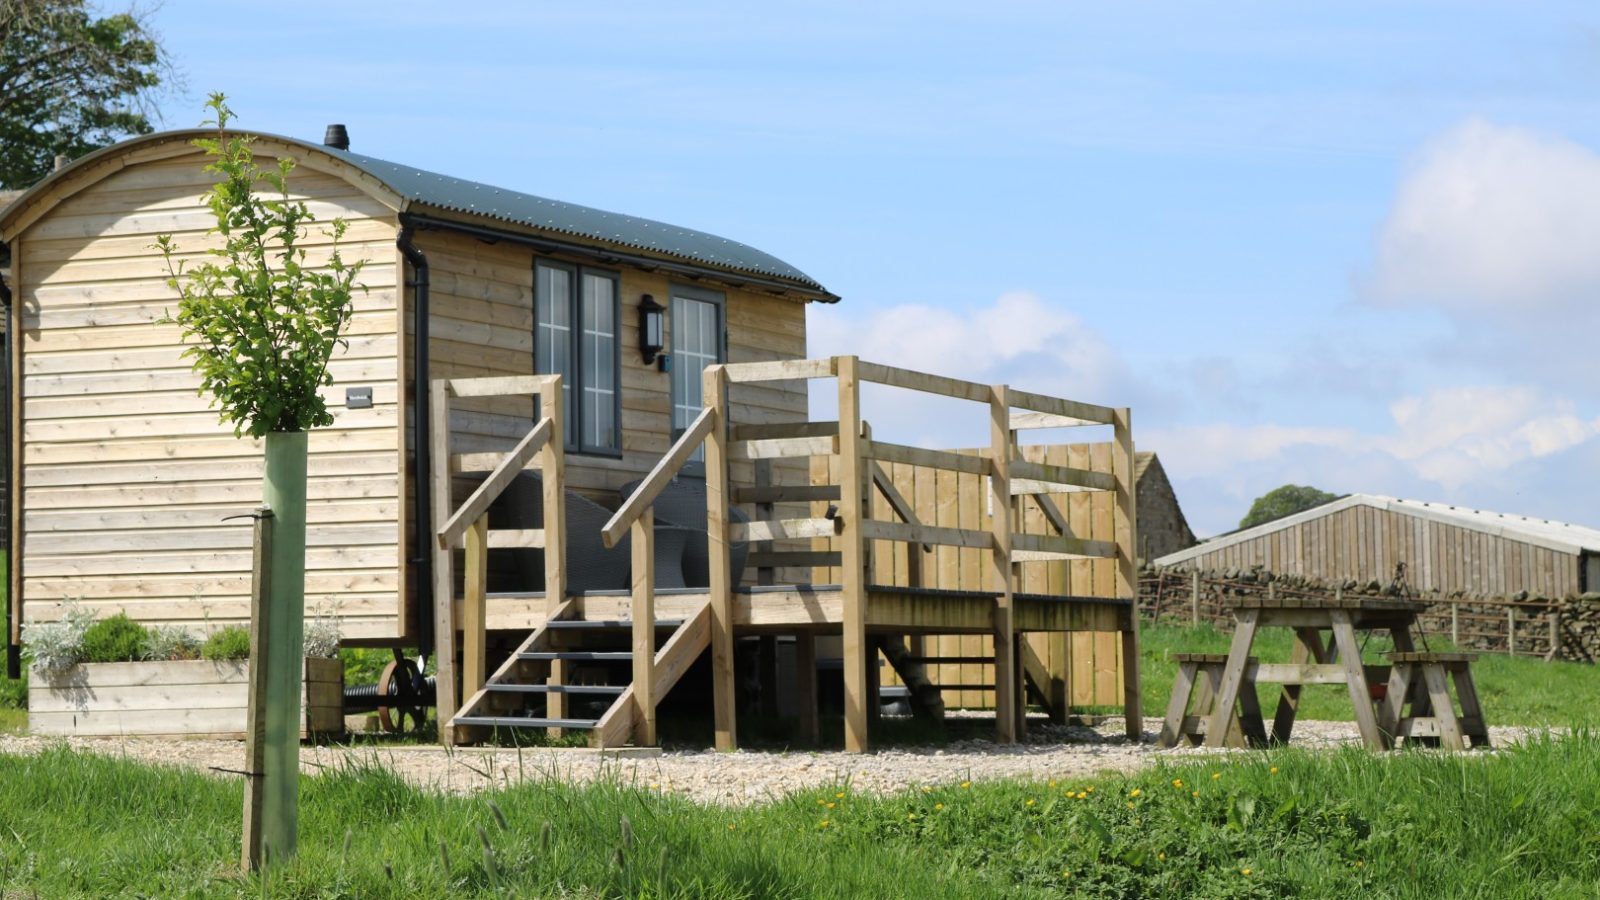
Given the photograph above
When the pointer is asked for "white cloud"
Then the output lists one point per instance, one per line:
(1494, 217)
(1460, 445)
(1019, 340)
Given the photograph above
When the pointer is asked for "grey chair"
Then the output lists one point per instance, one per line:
(683, 502)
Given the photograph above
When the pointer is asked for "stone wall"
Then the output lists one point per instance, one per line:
(1518, 624)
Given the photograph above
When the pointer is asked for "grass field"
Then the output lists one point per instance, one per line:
(1519, 823)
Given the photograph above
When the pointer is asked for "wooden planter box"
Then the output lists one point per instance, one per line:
(188, 698)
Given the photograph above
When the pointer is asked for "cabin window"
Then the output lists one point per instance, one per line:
(576, 336)
(697, 342)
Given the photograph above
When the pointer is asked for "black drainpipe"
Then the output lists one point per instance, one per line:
(13, 650)
(422, 463)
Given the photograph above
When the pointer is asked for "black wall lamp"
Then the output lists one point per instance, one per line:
(652, 329)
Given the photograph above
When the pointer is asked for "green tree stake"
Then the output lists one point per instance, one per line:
(284, 491)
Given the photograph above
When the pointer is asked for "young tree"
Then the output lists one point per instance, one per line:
(262, 321)
(1284, 501)
(72, 81)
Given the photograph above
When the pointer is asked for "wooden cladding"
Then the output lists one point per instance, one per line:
(1365, 543)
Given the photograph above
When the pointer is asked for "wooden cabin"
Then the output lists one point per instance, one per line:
(502, 332)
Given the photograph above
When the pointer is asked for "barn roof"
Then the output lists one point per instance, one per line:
(421, 188)
(1558, 536)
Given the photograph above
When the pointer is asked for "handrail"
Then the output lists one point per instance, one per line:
(656, 482)
(498, 480)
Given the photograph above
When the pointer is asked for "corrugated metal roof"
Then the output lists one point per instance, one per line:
(1558, 536)
(446, 192)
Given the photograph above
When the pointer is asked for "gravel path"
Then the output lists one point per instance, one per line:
(1060, 752)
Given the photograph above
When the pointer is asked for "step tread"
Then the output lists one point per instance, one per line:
(604, 624)
(576, 655)
(507, 688)
(523, 722)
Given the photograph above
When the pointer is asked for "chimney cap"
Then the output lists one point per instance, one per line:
(336, 137)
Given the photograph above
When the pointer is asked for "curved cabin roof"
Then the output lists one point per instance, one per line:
(408, 189)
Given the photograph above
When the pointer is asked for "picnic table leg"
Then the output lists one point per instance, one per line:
(1404, 643)
(1289, 698)
(1394, 701)
(1444, 712)
(1355, 675)
(1177, 705)
(1222, 710)
(1467, 692)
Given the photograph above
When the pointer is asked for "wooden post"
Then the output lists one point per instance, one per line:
(805, 667)
(644, 628)
(1127, 568)
(552, 472)
(766, 512)
(255, 740)
(1001, 440)
(474, 606)
(283, 646)
(1455, 624)
(1194, 598)
(444, 588)
(714, 386)
(1555, 634)
(853, 556)
(1511, 630)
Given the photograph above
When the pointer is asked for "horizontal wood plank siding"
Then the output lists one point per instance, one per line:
(128, 472)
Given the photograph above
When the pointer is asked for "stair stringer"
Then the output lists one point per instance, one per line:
(504, 674)
(691, 639)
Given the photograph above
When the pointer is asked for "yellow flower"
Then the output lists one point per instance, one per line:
(654, 786)
(965, 785)
(1244, 871)
(1161, 856)
(1030, 802)
(1195, 794)
(820, 801)
(840, 795)
(1177, 782)
(830, 806)
(824, 824)
(1135, 792)
(927, 790)
(1090, 788)
(911, 817)
(1065, 874)
(1052, 784)
(1130, 804)
(1215, 775)
(1273, 770)
(1359, 863)
(938, 806)
(1083, 795)
(730, 826)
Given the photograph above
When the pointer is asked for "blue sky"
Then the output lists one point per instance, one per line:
(1351, 245)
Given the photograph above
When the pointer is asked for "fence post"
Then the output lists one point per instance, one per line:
(1455, 625)
(1194, 598)
(255, 739)
(1511, 630)
(1555, 634)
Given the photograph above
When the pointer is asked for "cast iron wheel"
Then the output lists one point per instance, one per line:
(399, 698)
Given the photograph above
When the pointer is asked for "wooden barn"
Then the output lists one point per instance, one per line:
(569, 453)
(1444, 548)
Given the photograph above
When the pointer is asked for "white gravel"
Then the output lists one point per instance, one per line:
(1051, 752)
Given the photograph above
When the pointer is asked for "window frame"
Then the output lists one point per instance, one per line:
(719, 301)
(576, 355)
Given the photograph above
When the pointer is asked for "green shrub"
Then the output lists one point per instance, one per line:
(57, 646)
(116, 639)
(232, 642)
(14, 692)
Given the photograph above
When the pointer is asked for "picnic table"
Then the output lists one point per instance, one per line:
(1326, 651)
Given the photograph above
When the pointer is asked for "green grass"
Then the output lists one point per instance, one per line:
(1514, 690)
(1519, 823)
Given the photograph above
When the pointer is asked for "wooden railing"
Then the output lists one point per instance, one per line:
(637, 518)
(856, 458)
(467, 527)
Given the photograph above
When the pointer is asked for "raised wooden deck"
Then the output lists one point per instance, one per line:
(835, 524)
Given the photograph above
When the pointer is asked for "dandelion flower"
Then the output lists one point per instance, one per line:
(731, 826)
(1161, 856)
(965, 785)
(840, 795)
(820, 801)
(1083, 795)
(1177, 782)
(911, 817)
(1052, 784)
(1090, 788)
(1195, 794)
(938, 806)
(823, 824)
(1135, 792)
(927, 790)
(1030, 802)
(1273, 770)
(830, 805)
(1215, 775)
(1244, 871)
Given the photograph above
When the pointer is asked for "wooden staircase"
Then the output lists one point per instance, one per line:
(567, 660)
